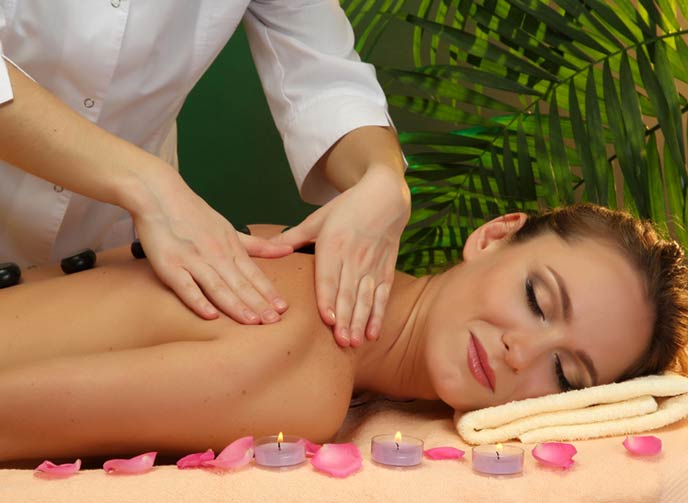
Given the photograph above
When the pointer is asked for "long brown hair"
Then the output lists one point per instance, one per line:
(661, 262)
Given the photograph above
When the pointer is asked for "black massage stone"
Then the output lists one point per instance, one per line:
(308, 249)
(137, 249)
(81, 261)
(9, 274)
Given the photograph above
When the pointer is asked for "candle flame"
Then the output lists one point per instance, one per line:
(397, 437)
(500, 447)
(280, 437)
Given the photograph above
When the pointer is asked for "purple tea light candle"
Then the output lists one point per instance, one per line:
(395, 450)
(497, 459)
(277, 451)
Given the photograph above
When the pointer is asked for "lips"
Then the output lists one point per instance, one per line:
(479, 365)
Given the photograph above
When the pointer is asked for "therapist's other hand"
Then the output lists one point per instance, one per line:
(356, 239)
(197, 253)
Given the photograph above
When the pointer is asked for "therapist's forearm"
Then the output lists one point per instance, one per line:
(43, 136)
(363, 149)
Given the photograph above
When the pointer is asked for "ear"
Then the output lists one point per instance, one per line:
(492, 232)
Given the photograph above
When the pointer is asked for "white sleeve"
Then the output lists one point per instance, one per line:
(5, 86)
(316, 86)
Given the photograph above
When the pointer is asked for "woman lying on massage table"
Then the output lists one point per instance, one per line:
(107, 361)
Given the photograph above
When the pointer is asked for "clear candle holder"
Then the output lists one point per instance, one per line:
(276, 452)
(497, 460)
(396, 450)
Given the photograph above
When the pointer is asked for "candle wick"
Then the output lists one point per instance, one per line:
(397, 444)
(279, 446)
(497, 455)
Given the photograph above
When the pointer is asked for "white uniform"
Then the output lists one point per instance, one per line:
(128, 65)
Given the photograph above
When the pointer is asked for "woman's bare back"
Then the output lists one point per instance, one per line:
(109, 361)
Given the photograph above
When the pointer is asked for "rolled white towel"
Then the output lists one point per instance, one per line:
(605, 410)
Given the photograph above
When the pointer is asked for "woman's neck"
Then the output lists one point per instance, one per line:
(395, 364)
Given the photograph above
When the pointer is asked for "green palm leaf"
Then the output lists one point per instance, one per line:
(532, 103)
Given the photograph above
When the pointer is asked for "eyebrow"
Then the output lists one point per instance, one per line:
(566, 309)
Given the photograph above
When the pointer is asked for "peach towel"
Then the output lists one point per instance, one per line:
(603, 472)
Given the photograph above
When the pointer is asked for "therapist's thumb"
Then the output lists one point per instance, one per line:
(260, 247)
(304, 233)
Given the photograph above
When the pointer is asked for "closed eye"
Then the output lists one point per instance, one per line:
(564, 384)
(532, 300)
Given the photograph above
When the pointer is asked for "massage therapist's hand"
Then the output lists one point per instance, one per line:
(356, 239)
(191, 248)
(197, 253)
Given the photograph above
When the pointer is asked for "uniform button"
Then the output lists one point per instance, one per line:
(58, 188)
(115, 3)
(88, 103)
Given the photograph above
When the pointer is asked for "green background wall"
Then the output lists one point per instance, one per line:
(229, 150)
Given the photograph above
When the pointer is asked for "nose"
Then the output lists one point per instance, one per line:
(523, 347)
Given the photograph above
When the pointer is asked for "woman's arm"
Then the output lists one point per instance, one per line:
(193, 249)
(108, 361)
(332, 115)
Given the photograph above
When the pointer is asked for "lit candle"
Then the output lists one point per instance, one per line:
(395, 450)
(277, 451)
(497, 459)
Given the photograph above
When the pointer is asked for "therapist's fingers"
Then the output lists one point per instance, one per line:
(237, 297)
(261, 283)
(361, 309)
(260, 247)
(327, 264)
(380, 299)
(222, 277)
(197, 252)
(257, 246)
(355, 291)
(383, 274)
(300, 235)
(228, 291)
(344, 306)
(185, 287)
(234, 284)
(363, 289)
(327, 278)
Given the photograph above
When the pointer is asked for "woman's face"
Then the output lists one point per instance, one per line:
(523, 320)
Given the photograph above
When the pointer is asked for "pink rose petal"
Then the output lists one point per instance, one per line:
(311, 448)
(444, 453)
(138, 464)
(195, 460)
(63, 470)
(338, 460)
(555, 454)
(235, 455)
(643, 446)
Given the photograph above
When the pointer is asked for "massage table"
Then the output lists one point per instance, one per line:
(603, 472)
